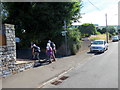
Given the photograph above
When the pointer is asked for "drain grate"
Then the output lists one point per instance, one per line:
(56, 82)
(63, 77)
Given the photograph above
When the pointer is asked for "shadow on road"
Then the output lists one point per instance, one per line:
(38, 63)
(95, 53)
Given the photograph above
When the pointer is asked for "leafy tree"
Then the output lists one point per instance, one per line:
(2, 13)
(87, 29)
(103, 30)
(111, 30)
(41, 21)
(99, 30)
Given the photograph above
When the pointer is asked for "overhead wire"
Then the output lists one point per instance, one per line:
(99, 8)
(94, 5)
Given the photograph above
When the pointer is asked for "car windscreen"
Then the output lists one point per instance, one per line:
(97, 42)
(115, 37)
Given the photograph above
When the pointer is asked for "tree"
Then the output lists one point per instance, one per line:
(41, 21)
(87, 29)
(111, 30)
(2, 13)
(103, 30)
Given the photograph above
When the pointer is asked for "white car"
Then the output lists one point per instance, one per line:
(115, 38)
(98, 46)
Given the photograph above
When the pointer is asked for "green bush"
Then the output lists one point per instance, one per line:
(98, 33)
(74, 40)
(73, 49)
(94, 38)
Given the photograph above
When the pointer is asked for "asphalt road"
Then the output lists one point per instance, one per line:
(99, 71)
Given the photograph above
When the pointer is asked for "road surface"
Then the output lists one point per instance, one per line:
(100, 71)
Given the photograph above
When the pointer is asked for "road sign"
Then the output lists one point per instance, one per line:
(64, 32)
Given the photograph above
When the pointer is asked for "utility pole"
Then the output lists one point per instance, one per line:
(106, 28)
(64, 33)
(65, 36)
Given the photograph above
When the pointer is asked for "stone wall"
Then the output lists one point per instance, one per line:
(84, 46)
(8, 64)
(62, 51)
(8, 51)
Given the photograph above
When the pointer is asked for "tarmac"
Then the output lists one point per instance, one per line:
(39, 76)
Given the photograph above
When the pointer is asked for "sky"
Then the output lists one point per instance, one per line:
(95, 13)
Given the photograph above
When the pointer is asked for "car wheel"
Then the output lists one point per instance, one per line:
(91, 51)
(107, 48)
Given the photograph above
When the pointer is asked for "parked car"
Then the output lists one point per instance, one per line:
(119, 37)
(98, 46)
(115, 38)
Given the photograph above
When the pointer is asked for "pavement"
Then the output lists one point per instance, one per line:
(39, 76)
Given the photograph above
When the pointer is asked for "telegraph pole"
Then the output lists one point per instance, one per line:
(106, 28)
(65, 36)
(64, 33)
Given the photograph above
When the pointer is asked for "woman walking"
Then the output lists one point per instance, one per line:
(49, 52)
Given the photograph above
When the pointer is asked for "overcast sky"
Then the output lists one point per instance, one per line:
(95, 13)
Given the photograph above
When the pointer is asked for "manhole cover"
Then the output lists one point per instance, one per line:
(56, 82)
(63, 77)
